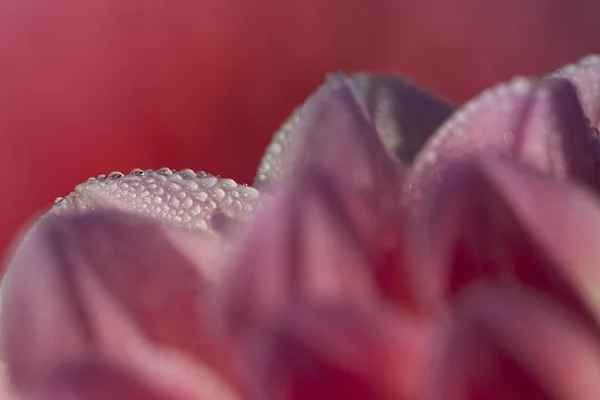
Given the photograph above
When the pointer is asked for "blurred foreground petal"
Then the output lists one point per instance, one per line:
(485, 222)
(505, 343)
(94, 280)
(340, 352)
(304, 246)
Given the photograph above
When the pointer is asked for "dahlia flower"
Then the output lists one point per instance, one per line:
(392, 248)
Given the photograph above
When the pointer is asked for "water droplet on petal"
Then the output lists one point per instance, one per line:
(187, 173)
(228, 184)
(201, 224)
(201, 196)
(115, 175)
(218, 194)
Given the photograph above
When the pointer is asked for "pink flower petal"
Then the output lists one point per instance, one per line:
(303, 247)
(404, 115)
(562, 218)
(338, 140)
(474, 226)
(506, 343)
(585, 75)
(334, 132)
(334, 222)
(401, 115)
(184, 198)
(88, 282)
(339, 353)
(540, 122)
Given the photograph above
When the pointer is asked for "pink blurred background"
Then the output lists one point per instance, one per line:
(91, 86)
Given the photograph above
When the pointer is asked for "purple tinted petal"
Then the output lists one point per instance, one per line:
(184, 198)
(335, 135)
(402, 115)
(333, 225)
(505, 343)
(340, 143)
(585, 75)
(539, 122)
(89, 281)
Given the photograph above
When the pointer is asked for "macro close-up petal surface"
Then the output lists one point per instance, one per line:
(395, 247)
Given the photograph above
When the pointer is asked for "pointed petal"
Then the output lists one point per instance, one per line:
(333, 226)
(183, 198)
(585, 75)
(539, 122)
(492, 220)
(334, 353)
(90, 281)
(335, 131)
(403, 115)
(340, 142)
(506, 343)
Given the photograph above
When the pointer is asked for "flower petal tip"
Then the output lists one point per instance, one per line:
(585, 75)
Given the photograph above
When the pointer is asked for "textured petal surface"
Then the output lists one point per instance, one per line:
(505, 343)
(271, 162)
(585, 75)
(540, 122)
(93, 281)
(403, 115)
(184, 198)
